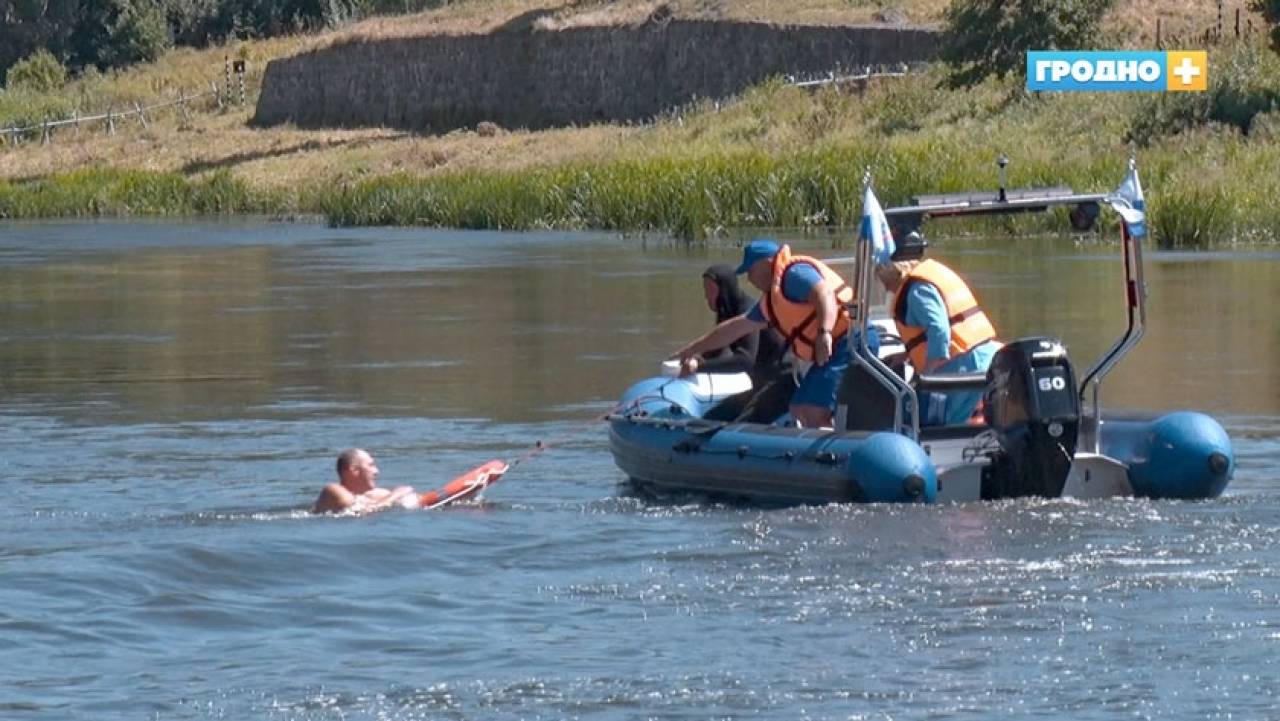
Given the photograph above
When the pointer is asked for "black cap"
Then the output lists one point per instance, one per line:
(911, 247)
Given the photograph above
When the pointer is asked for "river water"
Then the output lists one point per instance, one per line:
(174, 395)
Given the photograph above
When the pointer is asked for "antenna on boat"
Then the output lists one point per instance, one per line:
(1002, 161)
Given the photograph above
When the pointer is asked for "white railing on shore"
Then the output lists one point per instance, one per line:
(840, 76)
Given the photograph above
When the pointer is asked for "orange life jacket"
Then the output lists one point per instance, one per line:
(798, 322)
(969, 325)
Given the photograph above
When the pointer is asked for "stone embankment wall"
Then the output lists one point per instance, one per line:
(531, 78)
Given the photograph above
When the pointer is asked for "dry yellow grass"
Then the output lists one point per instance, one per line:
(491, 15)
(286, 157)
(1133, 18)
(1183, 19)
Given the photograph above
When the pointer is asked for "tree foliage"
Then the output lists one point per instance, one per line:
(115, 33)
(40, 71)
(1270, 10)
(265, 18)
(983, 38)
(139, 32)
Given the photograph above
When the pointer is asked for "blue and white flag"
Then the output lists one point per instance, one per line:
(875, 228)
(1127, 201)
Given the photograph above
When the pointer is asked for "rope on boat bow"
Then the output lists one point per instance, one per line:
(581, 428)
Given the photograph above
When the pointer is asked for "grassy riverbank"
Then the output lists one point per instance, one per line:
(777, 156)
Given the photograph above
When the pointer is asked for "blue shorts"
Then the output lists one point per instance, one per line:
(819, 385)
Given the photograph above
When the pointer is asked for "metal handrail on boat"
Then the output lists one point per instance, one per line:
(1003, 201)
(1136, 316)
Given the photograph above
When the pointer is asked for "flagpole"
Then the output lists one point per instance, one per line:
(862, 355)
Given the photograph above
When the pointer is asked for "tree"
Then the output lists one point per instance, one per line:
(139, 33)
(29, 25)
(115, 33)
(266, 18)
(1270, 10)
(982, 38)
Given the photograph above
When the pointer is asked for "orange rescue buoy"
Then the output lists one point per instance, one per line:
(468, 485)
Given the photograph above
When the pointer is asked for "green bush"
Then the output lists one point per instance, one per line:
(23, 108)
(1244, 82)
(39, 72)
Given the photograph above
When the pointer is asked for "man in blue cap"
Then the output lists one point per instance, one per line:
(804, 300)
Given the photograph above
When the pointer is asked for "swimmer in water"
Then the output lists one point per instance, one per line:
(357, 488)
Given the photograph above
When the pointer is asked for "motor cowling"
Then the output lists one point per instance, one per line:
(1032, 406)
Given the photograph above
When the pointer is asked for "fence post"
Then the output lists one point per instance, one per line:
(44, 134)
(14, 132)
(226, 66)
(77, 117)
(1219, 20)
(142, 117)
(216, 97)
(182, 105)
(1237, 23)
(111, 121)
(1158, 34)
(240, 70)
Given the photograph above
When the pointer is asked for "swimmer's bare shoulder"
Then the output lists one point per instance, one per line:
(334, 499)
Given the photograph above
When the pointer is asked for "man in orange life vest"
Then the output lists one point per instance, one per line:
(941, 325)
(803, 300)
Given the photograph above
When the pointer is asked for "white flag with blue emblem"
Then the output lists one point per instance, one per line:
(1128, 202)
(875, 228)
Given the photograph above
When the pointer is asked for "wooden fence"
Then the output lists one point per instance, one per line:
(1231, 24)
(221, 97)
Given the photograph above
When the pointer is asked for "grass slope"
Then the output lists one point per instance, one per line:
(775, 156)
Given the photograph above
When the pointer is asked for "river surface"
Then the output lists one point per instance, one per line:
(173, 396)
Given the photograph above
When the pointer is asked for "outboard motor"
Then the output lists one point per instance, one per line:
(1032, 405)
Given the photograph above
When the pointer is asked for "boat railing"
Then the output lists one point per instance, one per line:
(1004, 201)
(1135, 291)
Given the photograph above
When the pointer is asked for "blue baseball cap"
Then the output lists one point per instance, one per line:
(756, 250)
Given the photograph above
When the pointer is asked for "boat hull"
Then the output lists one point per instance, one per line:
(771, 465)
(664, 446)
